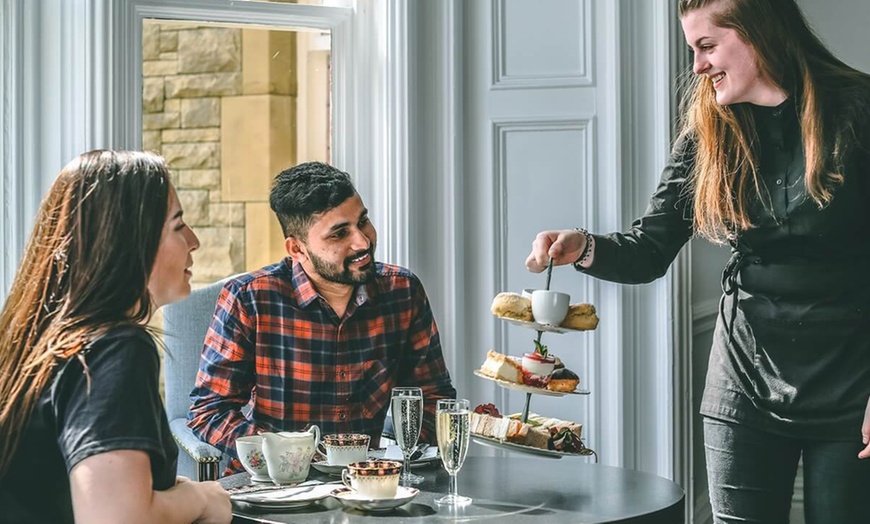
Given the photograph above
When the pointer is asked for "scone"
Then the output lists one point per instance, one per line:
(512, 305)
(581, 317)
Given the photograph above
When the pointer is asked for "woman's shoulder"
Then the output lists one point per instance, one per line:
(133, 342)
(125, 334)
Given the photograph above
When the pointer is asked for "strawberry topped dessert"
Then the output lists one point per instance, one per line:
(537, 366)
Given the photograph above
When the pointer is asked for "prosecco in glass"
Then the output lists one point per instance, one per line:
(406, 408)
(453, 429)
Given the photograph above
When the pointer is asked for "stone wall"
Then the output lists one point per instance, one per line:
(222, 116)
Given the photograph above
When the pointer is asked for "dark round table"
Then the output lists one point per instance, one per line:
(510, 489)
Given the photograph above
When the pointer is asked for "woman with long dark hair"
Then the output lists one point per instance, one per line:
(772, 159)
(83, 433)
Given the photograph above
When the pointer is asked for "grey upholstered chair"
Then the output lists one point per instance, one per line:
(185, 324)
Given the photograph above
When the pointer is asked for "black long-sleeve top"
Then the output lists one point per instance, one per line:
(791, 347)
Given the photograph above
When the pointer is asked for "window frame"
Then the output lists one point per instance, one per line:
(74, 77)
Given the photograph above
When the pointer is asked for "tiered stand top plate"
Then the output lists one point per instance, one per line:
(542, 327)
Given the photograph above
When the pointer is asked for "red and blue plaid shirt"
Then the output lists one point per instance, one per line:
(277, 357)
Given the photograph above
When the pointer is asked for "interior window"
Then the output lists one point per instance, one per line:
(229, 107)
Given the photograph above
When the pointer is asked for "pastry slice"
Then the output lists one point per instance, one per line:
(502, 367)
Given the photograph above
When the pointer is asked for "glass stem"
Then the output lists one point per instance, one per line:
(406, 464)
(454, 492)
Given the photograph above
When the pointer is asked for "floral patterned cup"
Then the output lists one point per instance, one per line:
(250, 451)
(373, 479)
(342, 449)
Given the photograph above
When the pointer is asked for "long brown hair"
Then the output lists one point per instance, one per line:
(726, 178)
(85, 270)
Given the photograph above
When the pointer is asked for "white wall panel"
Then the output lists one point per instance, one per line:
(535, 49)
(543, 170)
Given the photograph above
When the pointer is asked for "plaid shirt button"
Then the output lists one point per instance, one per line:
(342, 416)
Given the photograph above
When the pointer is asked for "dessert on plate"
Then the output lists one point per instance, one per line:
(512, 305)
(539, 432)
(502, 367)
(538, 369)
(581, 317)
(537, 366)
(563, 379)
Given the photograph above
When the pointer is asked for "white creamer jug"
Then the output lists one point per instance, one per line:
(288, 454)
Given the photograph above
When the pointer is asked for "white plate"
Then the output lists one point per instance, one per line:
(531, 389)
(289, 498)
(352, 499)
(510, 446)
(375, 454)
(542, 327)
(429, 457)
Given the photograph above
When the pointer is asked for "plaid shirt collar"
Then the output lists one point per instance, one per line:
(304, 292)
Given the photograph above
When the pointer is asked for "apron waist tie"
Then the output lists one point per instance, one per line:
(731, 286)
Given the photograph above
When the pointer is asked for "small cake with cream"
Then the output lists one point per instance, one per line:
(502, 367)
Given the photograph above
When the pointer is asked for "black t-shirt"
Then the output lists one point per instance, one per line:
(122, 410)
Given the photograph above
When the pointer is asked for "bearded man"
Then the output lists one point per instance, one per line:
(322, 336)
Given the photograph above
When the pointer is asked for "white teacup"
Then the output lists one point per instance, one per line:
(373, 479)
(343, 448)
(549, 307)
(250, 451)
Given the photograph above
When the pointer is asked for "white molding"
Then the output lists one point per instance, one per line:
(12, 223)
(231, 12)
(436, 185)
(500, 129)
(674, 334)
(649, 368)
(127, 59)
(682, 309)
(371, 108)
(396, 115)
(582, 76)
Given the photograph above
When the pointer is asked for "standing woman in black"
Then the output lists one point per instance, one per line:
(774, 160)
(83, 432)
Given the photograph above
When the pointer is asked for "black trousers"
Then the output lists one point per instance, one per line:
(751, 476)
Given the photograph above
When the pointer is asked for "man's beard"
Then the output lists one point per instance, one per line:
(341, 273)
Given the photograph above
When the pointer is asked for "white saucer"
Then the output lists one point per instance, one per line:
(325, 467)
(289, 498)
(430, 456)
(352, 499)
(261, 480)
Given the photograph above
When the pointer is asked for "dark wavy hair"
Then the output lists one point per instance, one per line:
(85, 270)
(302, 192)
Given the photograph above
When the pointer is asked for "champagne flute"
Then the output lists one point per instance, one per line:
(452, 425)
(406, 407)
